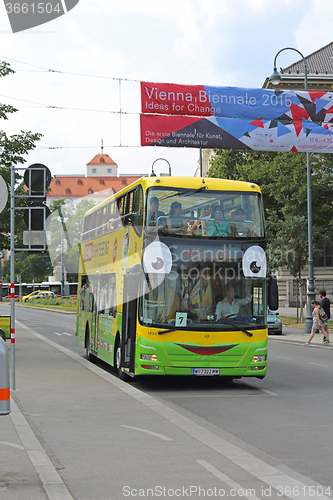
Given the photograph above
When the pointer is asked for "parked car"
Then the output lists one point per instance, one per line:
(26, 298)
(274, 323)
(44, 295)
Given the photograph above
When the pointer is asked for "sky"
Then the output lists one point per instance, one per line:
(76, 73)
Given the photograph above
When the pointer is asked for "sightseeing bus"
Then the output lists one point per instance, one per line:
(172, 279)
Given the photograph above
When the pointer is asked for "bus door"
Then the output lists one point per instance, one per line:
(93, 322)
(129, 317)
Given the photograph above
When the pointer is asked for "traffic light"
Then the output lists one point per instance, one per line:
(37, 178)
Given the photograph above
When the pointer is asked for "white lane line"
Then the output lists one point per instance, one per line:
(284, 357)
(18, 446)
(161, 436)
(52, 483)
(268, 393)
(317, 364)
(246, 493)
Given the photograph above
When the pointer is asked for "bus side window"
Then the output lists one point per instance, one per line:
(138, 210)
(91, 302)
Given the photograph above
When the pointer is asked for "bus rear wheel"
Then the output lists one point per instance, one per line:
(87, 345)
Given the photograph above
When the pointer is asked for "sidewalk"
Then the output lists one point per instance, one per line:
(295, 333)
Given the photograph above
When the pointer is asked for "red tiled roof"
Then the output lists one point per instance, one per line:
(69, 187)
(102, 160)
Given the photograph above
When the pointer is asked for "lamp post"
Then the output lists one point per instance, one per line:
(152, 167)
(275, 79)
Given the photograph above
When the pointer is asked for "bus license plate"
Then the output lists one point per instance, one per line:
(205, 371)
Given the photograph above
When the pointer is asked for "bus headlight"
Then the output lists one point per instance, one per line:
(258, 359)
(149, 357)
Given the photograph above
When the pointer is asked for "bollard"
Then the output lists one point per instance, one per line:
(4, 379)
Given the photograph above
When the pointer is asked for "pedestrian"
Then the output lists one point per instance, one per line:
(326, 305)
(317, 323)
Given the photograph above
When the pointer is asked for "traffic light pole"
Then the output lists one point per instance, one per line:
(37, 178)
(12, 275)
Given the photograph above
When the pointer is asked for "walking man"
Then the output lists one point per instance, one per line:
(325, 304)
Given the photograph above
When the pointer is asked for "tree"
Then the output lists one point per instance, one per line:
(66, 228)
(31, 268)
(282, 178)
(11, 150)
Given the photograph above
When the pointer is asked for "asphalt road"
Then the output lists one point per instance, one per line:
(285, 419)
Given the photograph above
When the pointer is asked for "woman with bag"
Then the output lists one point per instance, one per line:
(317, 323)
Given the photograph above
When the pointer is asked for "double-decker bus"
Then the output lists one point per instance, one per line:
(172, 279)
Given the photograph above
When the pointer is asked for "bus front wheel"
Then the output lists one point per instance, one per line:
(122, 375)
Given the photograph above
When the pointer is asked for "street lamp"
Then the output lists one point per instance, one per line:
(152, 167)
(275, 79)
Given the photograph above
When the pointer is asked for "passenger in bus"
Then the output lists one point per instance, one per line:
(175, 222)
(154, 214)
(216, 226)
(242, 227)
(200, 225)
(230, 305)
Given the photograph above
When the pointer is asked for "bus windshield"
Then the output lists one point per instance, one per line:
(204, 213)
(202, 293)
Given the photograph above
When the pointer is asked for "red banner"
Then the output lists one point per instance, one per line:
(172, 99)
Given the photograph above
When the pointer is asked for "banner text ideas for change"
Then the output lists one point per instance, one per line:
(172, 102)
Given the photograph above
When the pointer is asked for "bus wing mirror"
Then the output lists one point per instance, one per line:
(273, 293)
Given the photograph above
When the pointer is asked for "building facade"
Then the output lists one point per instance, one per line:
(100, 181)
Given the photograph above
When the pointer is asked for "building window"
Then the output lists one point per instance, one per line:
(124, 182)
(101, 182)
(90, 191)
(101, 160)
(109, 170)
(106, 192)
(79, 182)
(94, 170)
(57, 182)
(325, 259)
(68, 191)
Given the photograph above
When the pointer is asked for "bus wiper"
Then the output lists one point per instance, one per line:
(184, 193)
(169, 330)
(225, 322)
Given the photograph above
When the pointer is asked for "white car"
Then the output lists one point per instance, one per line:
(274, 323)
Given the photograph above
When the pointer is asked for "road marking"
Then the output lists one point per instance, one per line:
(283, 357)
(52, 483)
(227, 480)
(317, 364)
(161, 436)
(18, 446)
(268, 393)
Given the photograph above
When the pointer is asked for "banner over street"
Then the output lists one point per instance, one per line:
(236, 118)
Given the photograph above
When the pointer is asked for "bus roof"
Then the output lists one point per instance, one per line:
(184, 182)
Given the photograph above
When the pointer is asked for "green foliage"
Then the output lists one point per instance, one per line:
(282, 178)
(66, 224)
(35, 267)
